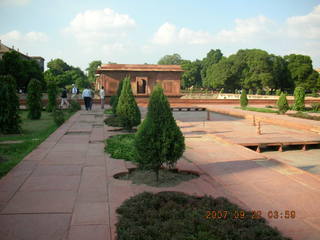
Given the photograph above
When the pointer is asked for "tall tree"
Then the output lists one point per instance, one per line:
(191, 75)
(34, 99)
(213, 57)
(58, 66)
(92, 70)
(174, 59)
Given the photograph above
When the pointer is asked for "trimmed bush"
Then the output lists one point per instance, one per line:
(74, 106)
(116, 97)
(243, 98)
(52, 94)
(278, 92)
(299, 95)
(268, 92)
(9, 101)
(127, 109)
(34, 99)
(112, 121)
(250, 92)
(159, 140)
(315, 107)
(58, 117)
(112, 98)
(178, 216)
(259, 91)
(314, 92)
(282, 104)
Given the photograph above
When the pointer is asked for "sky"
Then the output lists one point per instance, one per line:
(143, 31)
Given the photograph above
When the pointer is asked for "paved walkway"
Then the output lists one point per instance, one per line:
(65, 188)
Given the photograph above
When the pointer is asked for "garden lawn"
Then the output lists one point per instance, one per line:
(33, 133)
(254, 109)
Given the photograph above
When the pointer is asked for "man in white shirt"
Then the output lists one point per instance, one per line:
(102, 96)
(74, 92)
(87, 97)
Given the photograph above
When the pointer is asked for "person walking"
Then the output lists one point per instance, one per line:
(64, 97)
(87, 96)
(74, 92)
(102, 96)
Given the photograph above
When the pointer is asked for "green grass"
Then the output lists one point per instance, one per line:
(33, 133)
(167, 177)
(254, 109)
(108, 111)
(305, 116)
(173, 215)
(122, 147)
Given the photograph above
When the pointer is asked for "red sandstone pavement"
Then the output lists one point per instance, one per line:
(65, 188)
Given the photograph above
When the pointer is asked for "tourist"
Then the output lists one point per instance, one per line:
(64, 97)
(87, 97)
(102, 96)
(74, 92)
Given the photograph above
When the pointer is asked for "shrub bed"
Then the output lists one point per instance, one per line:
(112, 121)
(172, 215)
(305, 116)
(254, 109)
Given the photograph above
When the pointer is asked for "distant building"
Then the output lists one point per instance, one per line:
(143, 78)
(4, 49)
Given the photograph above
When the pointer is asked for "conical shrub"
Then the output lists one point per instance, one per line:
(282, 103)
(299, 95)
(9, 106)
(243, 98)
(34, 99)
(52, 94)
(127, 109)
(116, 98)
(159, 140)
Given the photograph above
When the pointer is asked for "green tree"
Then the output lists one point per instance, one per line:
(52, 92)
(213, 57)
(192, 74)
(282, 103)
(159, 140)
(92, 70)
(58, 66)
(127, 109)
(9, 101)
(243, 98)
(34, 99)
(299, 95)
(174, 59)
(116, 98)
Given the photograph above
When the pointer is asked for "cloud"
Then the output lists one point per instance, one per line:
(16, 37)
(14, 2)
(307, 26)
(168, 34)
(99, 26)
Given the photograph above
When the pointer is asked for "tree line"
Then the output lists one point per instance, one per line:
(251, 69)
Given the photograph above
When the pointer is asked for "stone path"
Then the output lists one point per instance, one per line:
(65, 188)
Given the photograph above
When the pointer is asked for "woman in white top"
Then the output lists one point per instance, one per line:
(102, 96)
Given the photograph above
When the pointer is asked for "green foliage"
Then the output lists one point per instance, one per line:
(259, 91)
(278, 92)
(22, 70)
(173, 215)
(58, 117)
(250, 92)
(92, 70)
(9, 102)
(191, 75)
(116, 97)
(212, 58)
(243, 98)
(315, 107)
(305, 116)
(122, 147)
(314, 92)
(299, 95)
(255, 109)
(282, 104)
(174, 59)
(74, 106)
(159, 140)
(52, 92)
(34, 101)
(268, 92)
(112, 99)
(127, 108)
(112, 121)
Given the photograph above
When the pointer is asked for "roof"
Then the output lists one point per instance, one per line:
(139, 67)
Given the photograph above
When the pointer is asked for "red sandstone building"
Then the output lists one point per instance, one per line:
(143, 78)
